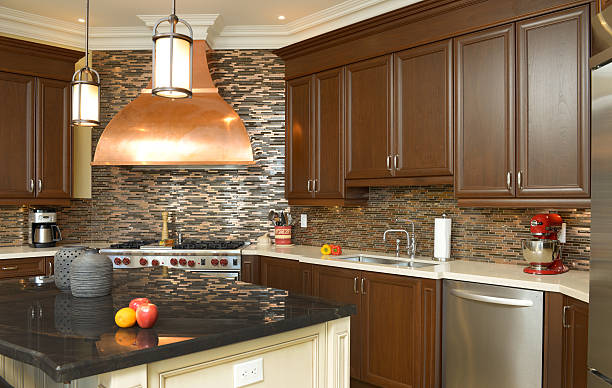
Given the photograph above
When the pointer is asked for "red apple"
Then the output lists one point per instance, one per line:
(134, 303)
(146, 315)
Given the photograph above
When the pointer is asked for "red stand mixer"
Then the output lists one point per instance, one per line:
(544, 252)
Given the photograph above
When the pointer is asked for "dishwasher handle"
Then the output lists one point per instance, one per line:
(492, 299)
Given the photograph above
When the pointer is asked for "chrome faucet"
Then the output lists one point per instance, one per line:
(412, 240)
(398, 241)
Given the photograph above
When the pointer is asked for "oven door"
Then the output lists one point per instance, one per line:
(232, 275)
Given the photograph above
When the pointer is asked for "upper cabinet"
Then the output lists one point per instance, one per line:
(484, 115)
(501, 110)
(423, 123)
(35, 123)
(368, 119)
(553, 136)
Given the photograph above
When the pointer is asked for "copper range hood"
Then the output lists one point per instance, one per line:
(156, 132)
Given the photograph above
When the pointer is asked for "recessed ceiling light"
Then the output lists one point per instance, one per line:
(281, 17)
(81, 20)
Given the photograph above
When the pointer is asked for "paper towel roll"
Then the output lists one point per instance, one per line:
(442, 238)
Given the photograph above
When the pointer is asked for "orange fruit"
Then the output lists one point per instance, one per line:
(126, 317)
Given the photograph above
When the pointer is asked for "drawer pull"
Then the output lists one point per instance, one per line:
(355, 286)
(11, 268)
(362, 286)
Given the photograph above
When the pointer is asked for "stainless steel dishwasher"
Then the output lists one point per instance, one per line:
(492, 336)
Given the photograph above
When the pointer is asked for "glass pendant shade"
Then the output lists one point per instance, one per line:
(86, 98)
(172, 60)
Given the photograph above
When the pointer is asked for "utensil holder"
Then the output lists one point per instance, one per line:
(282, 235)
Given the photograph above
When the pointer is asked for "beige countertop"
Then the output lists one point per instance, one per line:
(25, 251)
(573, 283)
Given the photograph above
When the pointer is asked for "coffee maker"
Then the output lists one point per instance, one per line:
(44, 230)
(544, 252)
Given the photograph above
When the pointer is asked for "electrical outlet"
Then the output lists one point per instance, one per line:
(303, 220)
(248, 372)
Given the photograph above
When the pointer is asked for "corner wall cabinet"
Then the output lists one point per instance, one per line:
(35, 123)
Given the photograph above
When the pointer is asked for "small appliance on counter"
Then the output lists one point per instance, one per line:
(45, 232)
(544, 252)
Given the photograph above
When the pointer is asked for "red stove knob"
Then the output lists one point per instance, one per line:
(173, 261)
(143, 262)
(117, 261)
(214, 262)
(183, 262)
(126, 261)
(155, 262)
(191, 263)
(223, 262)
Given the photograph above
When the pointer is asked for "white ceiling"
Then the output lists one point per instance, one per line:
(122, 13)
(126, 24)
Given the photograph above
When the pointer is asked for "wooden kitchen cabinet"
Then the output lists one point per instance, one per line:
(565, 342)
(299, 138)
(423, 133)
(250, 269)
(395, 337)
(342, 285)
(553, 133)
(368, 118)
(19, 268)
(35, 123)
(284, 274)
(484, 113)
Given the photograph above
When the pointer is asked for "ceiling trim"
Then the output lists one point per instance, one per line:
(205, 26)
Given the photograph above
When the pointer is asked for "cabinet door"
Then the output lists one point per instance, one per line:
(343, 286)
(575, 341)
(424, 110)
(368, 118)
(553, 105)
(329, 144)
(299, 138)
(17, 134)
(53, 139)
(391, 320)
(250, 269)
(484, 114)
(286, 274)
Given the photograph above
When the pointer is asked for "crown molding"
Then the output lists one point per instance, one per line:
(205, 26)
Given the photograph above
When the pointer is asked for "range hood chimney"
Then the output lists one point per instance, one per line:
(199, 132)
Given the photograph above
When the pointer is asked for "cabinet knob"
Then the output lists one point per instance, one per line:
(39, 185)
(509, 180)
(362, 286)
(308, 186)
(31, 185)
(389, 162)
(565, 324)
(519, 180)
(355, 290)
(396, 161)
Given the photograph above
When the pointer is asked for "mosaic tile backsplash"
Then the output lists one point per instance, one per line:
(128, 203)
(486, 234)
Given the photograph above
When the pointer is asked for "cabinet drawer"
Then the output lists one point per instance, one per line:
(16, 268)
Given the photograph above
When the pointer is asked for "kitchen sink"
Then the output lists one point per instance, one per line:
(382, 260)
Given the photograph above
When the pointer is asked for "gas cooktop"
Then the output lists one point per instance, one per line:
(188, 244)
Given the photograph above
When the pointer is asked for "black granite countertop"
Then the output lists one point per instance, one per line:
(70, 338)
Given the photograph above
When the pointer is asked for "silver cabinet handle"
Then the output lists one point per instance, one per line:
(50, 267)
(31, 185)
(308, 186)
(12, 268)
(355, 286)
(565, 325)
(389, 162)
(508, 180)
(362, 286)
(39, 185)
(314, 186)
(396, 161)
(519, 180)
(492, 299)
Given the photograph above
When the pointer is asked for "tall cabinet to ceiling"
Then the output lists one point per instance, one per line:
(490, 97)
(35, 122)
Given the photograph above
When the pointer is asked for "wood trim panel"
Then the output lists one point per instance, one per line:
(35, 59)
(388, 182)
(417, 24)
(556, 203)
(552, 368)
(328, 202)
(431, 332)
(35, 201)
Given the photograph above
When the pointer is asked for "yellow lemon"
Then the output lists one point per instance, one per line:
(126, 317)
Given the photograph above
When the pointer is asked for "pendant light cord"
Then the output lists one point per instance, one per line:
(87, 34)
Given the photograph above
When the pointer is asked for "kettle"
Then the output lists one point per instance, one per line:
(45, 235)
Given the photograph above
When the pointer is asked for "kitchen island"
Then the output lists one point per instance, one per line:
(207, 326)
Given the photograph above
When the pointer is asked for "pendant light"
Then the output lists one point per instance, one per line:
(172, 59)
(86, 89)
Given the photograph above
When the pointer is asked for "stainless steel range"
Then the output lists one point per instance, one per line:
(221, 258)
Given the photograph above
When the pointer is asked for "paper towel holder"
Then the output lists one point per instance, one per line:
(450, 258)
